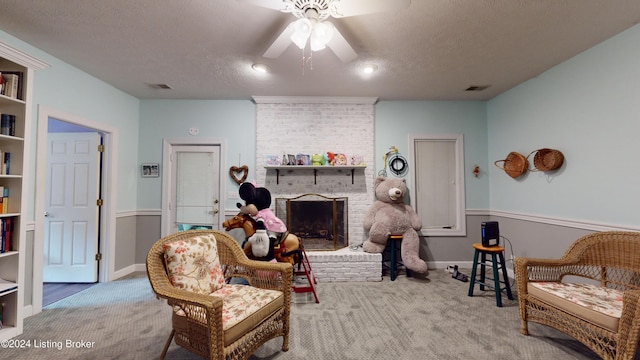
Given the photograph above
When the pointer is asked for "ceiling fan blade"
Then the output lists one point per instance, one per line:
(341, 47)
(344, 8)
(280, 44)
(269, 4)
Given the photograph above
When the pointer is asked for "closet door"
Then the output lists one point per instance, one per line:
(196, 192)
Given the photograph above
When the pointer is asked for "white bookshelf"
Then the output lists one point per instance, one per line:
(12, 257)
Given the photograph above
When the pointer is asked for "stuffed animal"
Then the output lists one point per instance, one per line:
(268, 225)
(317, 159)
(389, 215)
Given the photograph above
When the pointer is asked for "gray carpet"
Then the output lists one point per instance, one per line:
(409, 318)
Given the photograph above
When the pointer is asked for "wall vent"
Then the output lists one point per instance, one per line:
(161, 86)
(477, 87)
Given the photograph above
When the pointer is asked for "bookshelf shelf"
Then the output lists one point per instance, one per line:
(8, 288)
(8, 253)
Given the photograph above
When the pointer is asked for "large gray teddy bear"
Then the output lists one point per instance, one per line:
(389, 215)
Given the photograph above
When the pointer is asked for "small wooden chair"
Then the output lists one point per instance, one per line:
(497, 263)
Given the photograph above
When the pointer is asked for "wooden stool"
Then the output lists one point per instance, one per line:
(497, 262)
(394, 243)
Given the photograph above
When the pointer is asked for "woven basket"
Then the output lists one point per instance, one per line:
(514, 165)
(546, 159)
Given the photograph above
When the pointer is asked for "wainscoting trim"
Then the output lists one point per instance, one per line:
(577, 224)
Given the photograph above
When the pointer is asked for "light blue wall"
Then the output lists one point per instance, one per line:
(395, 120)
(67, 89)
(234, 121)
(588, 108)
(230, 120)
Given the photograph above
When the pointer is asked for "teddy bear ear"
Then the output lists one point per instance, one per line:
(379, 180)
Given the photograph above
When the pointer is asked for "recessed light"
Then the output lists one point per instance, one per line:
(261, 68)
(369, 68)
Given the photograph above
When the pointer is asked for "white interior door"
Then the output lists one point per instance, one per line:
(196, 194)
(71, 210)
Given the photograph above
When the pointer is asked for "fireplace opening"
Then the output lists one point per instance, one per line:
(320, 222)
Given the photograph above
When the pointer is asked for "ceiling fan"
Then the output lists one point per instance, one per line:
(311, 26)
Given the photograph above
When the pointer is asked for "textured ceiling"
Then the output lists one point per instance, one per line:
(203, 49)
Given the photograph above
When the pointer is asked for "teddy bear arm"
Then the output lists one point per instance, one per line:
(416, 222)
(370, 216)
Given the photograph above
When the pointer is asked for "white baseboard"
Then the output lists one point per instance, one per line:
(441, 265)
(128, 270)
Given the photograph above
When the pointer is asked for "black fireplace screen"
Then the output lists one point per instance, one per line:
(320, 222)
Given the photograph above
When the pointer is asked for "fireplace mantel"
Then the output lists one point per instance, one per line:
(315, 169)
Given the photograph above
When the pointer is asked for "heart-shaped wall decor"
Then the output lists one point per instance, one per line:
(244, 170)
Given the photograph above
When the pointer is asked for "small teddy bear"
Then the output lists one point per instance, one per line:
(389, 215)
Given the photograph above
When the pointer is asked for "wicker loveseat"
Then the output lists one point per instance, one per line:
(592, 293)
(211, 317)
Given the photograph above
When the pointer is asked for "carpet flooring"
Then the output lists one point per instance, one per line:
(410, 318)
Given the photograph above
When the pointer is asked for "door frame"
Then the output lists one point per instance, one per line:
(167, 181)
(106, 267)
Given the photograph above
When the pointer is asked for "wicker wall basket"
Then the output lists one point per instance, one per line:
(546, 159)
(514, 165)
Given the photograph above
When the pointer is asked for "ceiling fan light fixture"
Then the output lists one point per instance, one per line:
(301, 32)
(320, 35)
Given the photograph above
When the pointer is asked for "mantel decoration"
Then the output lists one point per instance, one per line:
(244, 170)
(515, 164)
(328, 158)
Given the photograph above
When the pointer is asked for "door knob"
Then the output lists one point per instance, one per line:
(46, 214)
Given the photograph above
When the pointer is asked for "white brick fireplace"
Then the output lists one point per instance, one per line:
(310, 125)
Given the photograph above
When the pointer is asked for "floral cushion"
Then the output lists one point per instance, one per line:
(243, 308)
(597, 304)
(193, 264)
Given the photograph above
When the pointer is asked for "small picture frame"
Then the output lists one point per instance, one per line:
(303, 159)
(150, 170)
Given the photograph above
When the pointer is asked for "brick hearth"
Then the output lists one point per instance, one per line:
(345, 265)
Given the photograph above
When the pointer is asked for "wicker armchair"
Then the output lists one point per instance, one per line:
(610, 263)
(198, 320)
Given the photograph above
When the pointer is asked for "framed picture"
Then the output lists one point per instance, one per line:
(150, 170)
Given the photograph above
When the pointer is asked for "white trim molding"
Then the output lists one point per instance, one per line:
(571, 223)
(20, 57)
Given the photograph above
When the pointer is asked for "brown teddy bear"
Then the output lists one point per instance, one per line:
(389, 215)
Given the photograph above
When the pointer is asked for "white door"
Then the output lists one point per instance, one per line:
(71, 209)
(195, 196)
